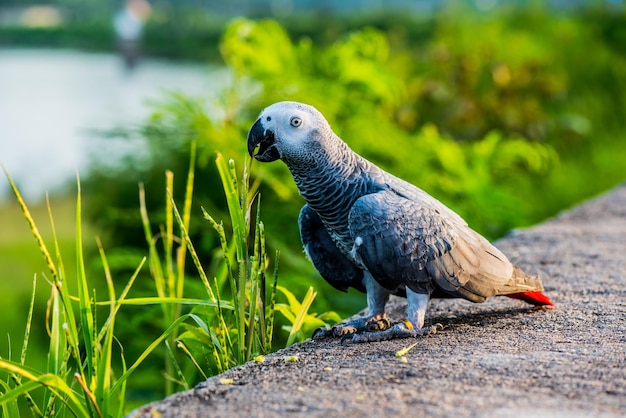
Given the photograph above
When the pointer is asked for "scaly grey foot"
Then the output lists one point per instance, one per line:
(365, 324)
(398, 331)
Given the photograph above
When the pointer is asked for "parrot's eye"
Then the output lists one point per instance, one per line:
(295, 122)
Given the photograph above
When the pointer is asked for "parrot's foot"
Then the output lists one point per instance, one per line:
(399, 330)
(368, 324)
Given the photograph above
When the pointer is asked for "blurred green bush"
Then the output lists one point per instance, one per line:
(507, 118)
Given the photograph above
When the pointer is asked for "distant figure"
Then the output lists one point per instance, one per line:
(128, 25)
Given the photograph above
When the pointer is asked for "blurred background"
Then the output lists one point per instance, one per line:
(507, 111)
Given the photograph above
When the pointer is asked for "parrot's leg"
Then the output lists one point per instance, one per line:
(377, 297)
(367, 323)
(412, 327)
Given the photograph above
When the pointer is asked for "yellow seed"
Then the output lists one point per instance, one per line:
(291, 359)
(405, 350)
(259, 359)
(226, 381)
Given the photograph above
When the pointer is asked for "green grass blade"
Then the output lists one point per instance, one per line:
(185, 350)
(122, 389)
(252, 309)
(121, 300)
(53, 382)
(10, 407)
(33, 227)
(155, 262)
(301, 314)
(12, 395)
(30, 401)
(168, 236)
(131, 281)
(155, 300)
(229, 181)
(104, 340)
(271, 311)
(85, 313)
(192, 251)
(182, 380)
(59, 259)
(90, 397)
(173, 310)
(225, 250)
(29, 321)
(186, 218)
(57, 335)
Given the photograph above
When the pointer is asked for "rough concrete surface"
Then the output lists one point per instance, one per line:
(496, 359)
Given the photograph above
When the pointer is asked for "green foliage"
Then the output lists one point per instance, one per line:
(302, 322)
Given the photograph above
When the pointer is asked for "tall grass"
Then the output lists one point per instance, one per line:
(240, 325)
(87, 374)
(80, 379)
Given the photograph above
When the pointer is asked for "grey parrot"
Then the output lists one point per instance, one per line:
(364, 228)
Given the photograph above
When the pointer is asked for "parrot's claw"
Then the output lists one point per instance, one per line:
(322, 333)
(399, 330)
(333, 332)
(377, 323)
(373, 323)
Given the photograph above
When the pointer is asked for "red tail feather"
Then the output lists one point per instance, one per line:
(534, 298)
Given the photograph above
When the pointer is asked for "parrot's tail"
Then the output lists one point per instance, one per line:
(534, 298)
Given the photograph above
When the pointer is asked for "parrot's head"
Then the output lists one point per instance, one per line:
(287, 130)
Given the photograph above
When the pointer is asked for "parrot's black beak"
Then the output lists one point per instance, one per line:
(262, 143)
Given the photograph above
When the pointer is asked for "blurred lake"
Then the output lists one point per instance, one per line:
(52, 102)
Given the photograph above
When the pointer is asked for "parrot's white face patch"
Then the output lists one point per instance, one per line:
(291, 123)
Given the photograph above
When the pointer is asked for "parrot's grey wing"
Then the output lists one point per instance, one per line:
(404, 242)
(332, 265)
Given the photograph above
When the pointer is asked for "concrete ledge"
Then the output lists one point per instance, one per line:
(497, 359)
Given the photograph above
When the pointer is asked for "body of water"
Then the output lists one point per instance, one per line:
(52, 102)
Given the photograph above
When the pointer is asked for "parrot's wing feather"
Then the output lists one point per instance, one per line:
(404, 242)
(332, 265)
